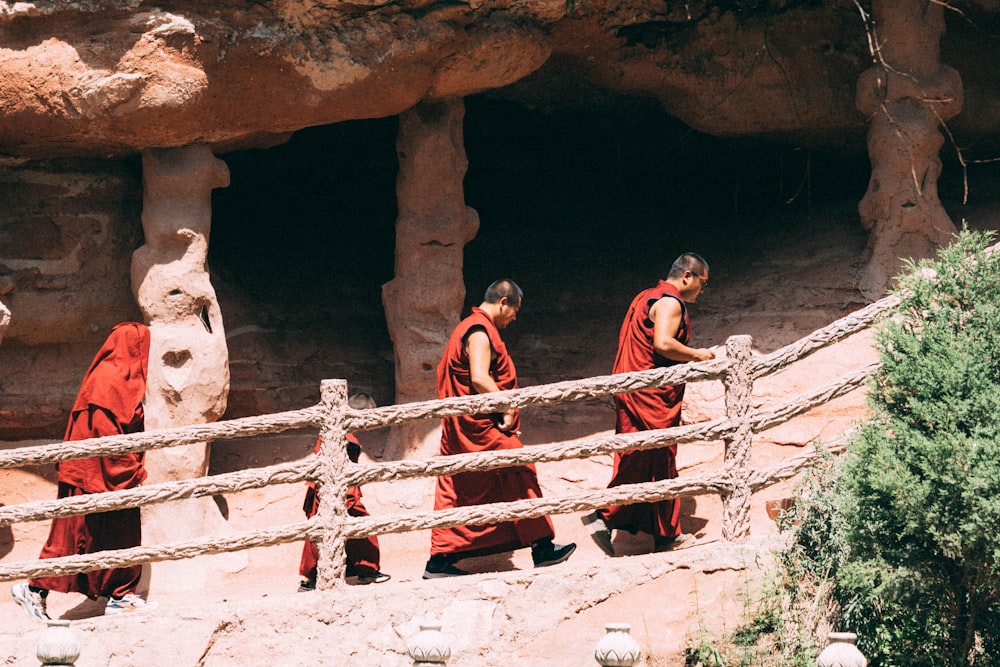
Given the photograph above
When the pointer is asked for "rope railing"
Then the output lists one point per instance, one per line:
(214, 485)
(243, 427)
(832, 333)
(153, 554)
(299, 471)
(331, 527)
(545, 394)
(358, 527)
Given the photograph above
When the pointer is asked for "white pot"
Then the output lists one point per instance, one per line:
(57, 644)
(617, 648)
(841, 652)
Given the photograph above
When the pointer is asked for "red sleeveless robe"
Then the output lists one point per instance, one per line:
(646, 410)
(478, 433)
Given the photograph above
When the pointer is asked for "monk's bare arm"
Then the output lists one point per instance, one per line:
(480, 356)
(666, 316)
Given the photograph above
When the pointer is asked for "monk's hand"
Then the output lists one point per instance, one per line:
(507, 418)
(704, 354)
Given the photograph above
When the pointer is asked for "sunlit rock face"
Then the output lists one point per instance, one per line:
(113, 78)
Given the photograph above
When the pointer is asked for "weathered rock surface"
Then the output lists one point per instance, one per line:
(109, 78)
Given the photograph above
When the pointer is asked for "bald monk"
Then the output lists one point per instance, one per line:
(363, 554)
(655, 333)
(475, 361)
(109, 403)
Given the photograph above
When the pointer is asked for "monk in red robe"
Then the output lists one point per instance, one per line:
(655, 333)
(362, 554)
(109, 403)
(475, 361)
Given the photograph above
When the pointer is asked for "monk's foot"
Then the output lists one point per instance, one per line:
(440, 566)
(32, 600)
(130, 603)
(668, 543)
(599, 531)
(369, 575)
(545, 553)
(307, 584)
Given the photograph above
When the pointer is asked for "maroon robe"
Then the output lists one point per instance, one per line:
(109, 403)
(479, 433)
(362, 552)
(646, 410)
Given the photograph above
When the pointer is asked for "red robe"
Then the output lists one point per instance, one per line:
(646, 410)
(109, 403)
(364, 551)
(479, 433)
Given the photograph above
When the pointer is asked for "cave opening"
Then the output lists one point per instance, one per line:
(579, 207)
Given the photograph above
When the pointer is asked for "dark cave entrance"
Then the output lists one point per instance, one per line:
(581, 208)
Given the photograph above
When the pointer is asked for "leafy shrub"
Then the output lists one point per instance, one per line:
(899, 539)
(915, 557)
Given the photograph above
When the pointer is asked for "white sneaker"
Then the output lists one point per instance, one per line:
(128, 604)
(30, 601)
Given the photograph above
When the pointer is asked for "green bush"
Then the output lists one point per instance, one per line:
(914, 558)
(898, 540)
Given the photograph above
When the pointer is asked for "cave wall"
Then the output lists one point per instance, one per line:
(67, 232)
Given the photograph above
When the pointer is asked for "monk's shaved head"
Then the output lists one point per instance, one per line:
(361, 401)
(689, 261)
(504, 288)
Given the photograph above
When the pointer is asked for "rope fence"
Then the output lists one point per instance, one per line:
(331, 470)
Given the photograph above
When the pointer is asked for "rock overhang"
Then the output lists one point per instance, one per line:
(110, 78)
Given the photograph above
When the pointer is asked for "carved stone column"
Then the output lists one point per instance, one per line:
(423, 302)
(908, 94)
(188, 377)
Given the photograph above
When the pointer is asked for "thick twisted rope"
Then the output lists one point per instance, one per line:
(158, 439)
(546, 394)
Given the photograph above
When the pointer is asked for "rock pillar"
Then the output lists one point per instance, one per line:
(908, 94)
(188, 377)
(423, 302)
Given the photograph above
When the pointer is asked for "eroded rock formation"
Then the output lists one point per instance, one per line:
(67, 230)
(907, 95)
(188, 376)
(424, 301)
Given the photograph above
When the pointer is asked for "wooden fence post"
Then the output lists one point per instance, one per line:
(331, 487)
(739, 387)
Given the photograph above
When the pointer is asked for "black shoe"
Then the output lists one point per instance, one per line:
(440, 566)
(599, 531)
(369, 575)
(546, 553)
